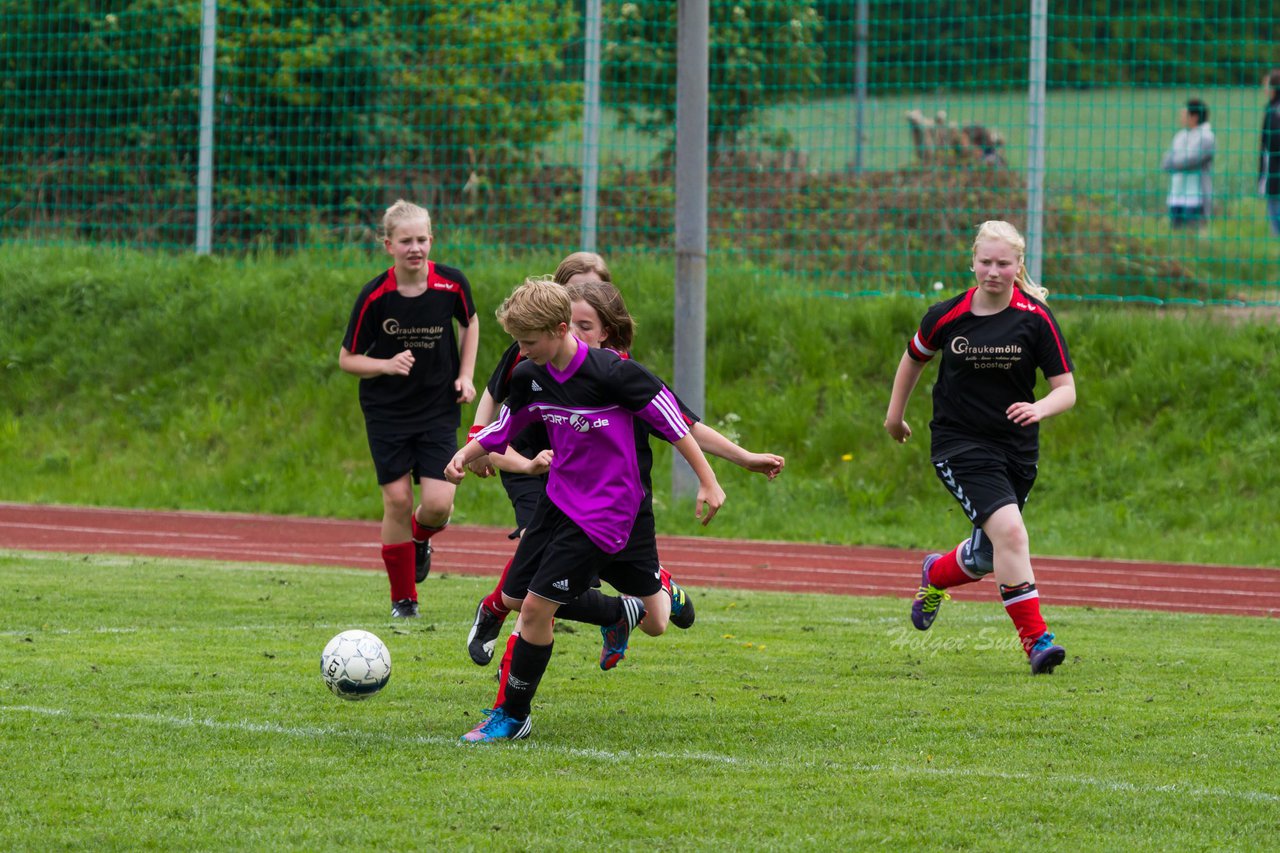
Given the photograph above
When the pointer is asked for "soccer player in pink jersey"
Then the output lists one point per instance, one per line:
(588, 399)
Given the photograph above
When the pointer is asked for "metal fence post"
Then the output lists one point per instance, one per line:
(591, 126)
(204, 173)
(1036, 137)
(690, 352)
(862, 34)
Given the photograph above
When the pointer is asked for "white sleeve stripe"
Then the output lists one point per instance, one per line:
(504, 415)
(919, 344)
(665, 402)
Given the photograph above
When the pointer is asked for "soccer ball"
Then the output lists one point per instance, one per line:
(355, 665)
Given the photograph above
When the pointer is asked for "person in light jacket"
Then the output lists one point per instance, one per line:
(1190, 159)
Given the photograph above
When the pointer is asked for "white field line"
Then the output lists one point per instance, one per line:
(629, 757)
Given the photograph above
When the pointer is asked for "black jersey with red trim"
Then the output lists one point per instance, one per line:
(989, 362)
(384, 323)
(534, 438)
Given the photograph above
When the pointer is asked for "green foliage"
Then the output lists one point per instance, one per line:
(760, 53)
(178, 705)
(927, 43)
(200, 383)
(323, 114)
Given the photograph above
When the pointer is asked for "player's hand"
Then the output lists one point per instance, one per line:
(710, 499)
(769, 464)
(481, 467)
(466, 390)
(400, 364)
(898, 430)
(1023, 413)
(541, 463)
(455, 471)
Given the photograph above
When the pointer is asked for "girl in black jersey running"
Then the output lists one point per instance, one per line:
(985, 427)
(415, 373)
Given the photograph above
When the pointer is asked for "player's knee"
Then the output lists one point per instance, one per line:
(653, 625)
(397, 504)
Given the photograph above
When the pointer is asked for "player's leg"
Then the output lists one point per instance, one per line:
(682, 613)
(525, 494)
(567, 564)
(397, 546)
(969, 480)
(1006, 529)
(432, 452)
(636, 574)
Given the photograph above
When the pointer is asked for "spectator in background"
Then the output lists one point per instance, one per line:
(1190, 158)
(1269, 155)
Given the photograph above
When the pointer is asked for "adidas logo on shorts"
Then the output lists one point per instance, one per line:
(562, 584)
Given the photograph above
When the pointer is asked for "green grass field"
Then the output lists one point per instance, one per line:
(1104, 138)
(154, 704)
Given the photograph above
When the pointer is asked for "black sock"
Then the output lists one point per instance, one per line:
(528, 663)
(592, 607)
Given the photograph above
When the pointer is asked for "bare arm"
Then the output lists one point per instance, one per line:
(904, 382)
(710, 495)
(486, 408)
(713, 442)
(470, 345)
(456, 470)
(1061, 396)
(366, 366)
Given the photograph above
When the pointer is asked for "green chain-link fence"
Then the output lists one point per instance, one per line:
(854, 145)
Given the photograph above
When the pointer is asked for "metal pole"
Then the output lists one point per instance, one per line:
(860, 81)
(204, 173)
(692, 75)
(591, 126)
(1036, 137)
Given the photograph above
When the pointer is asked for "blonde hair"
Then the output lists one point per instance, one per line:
(538, 305)
(610, 308)
(998, 229)
(402, 211)
(582, 262)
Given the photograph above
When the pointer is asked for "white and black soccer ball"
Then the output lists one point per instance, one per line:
(355, 665)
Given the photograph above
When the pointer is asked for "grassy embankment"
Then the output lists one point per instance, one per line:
(144, 380)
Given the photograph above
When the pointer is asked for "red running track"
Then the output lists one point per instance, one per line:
(696, 561)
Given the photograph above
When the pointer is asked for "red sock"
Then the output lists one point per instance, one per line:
(398, 559)
(1022, 603)
(946, 571)
(493, 601)
(504, 669)
(664, 578)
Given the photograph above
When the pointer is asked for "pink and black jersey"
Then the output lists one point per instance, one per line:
(589, 411)
(534, 439)
(988, 363)
(384, 323)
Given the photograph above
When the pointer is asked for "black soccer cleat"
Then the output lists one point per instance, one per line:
(421, 560)
(405, 608)
(483, 635)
